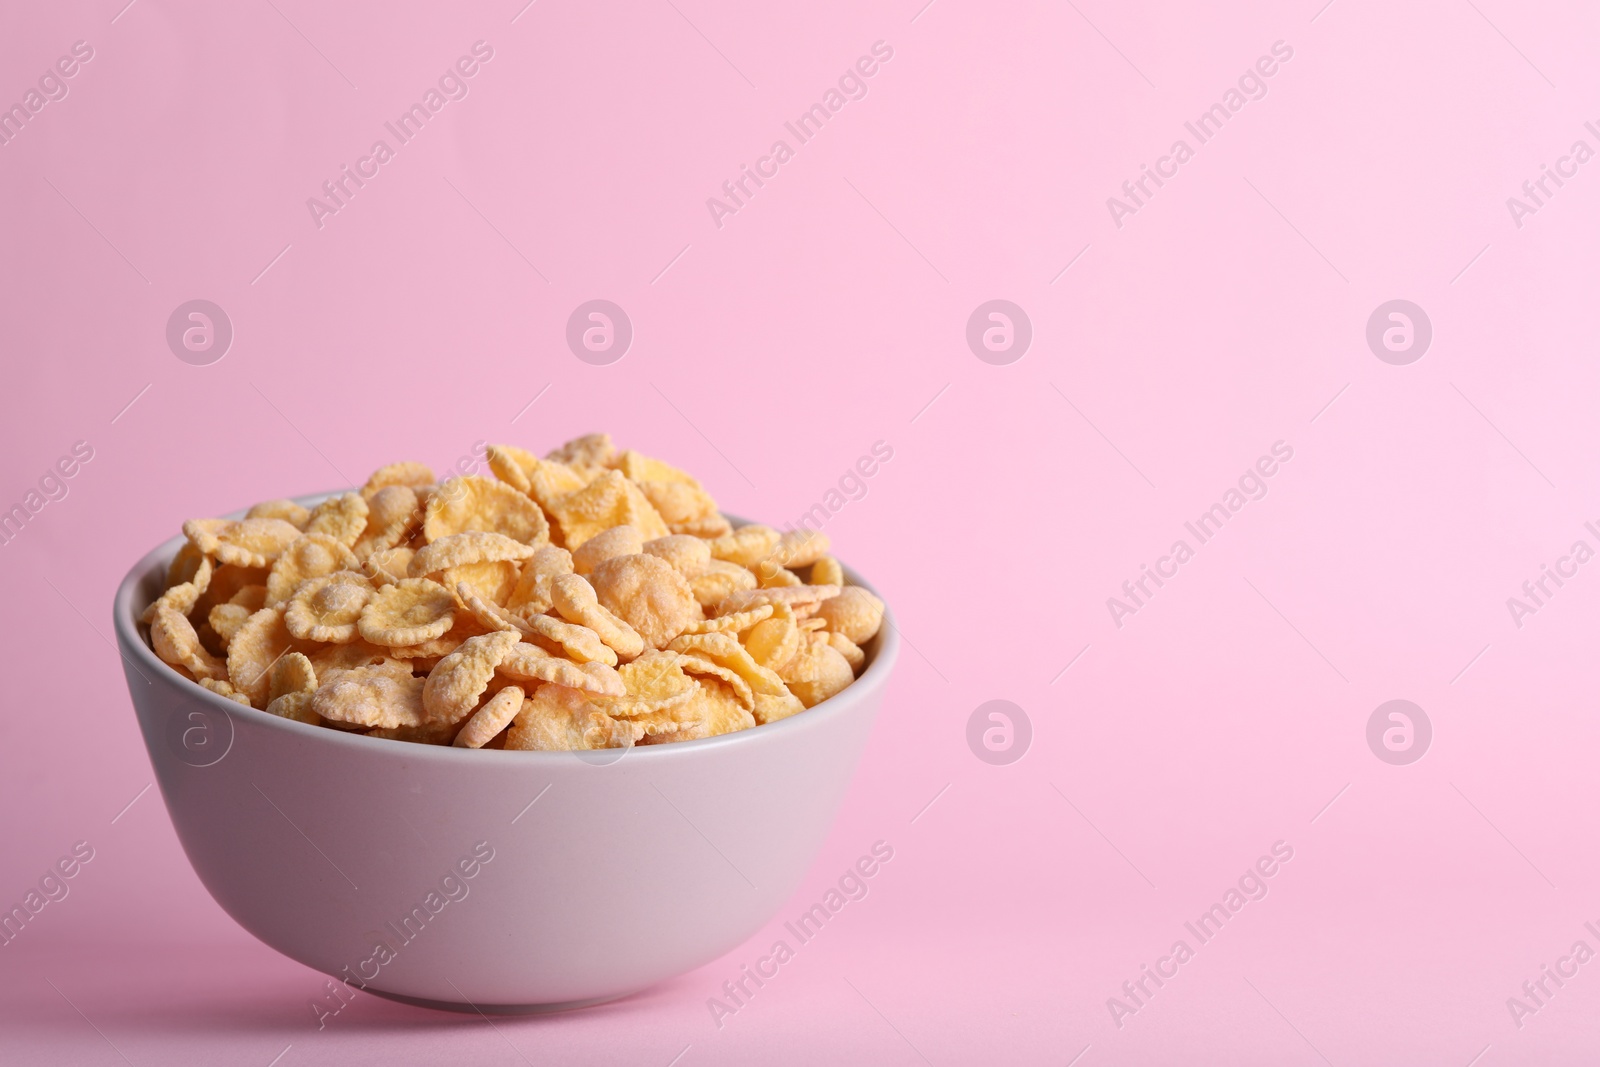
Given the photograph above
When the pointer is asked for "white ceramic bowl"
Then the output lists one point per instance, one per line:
(501, 881)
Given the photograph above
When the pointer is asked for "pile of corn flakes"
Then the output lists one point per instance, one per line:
(590, 599)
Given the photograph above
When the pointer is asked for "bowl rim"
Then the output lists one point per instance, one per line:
(136, 650)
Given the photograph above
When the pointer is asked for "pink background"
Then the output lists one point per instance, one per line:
(827, 314)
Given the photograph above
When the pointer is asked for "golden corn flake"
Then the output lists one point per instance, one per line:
(700, 666)
(494, 580)
(388, 566)
(854, 612)
(621, 540)
(175, 642)
(495, 715)
(254, 651)
(800, 547)
(227, 581)
(687, 555)
(610, 500)
(559, 719)
(826, 571)
(408, 613)
(647, 594)
(512, 465)
(185, 563)
(287, 510)
(246, 543)
(726, 651)
(711, 527)
(817, 671)
(713, 710)
(770, 577)
(330, 659)
(311, 555)
(489, 615)
(591, 451)
(736, 623)
(549, 481)
(292, 673)
(849, 650)
(531, 594)
(412, 475)
(371, 696)
(746, 546)
(577, 602)
(428, 733)
(654, 681)
(394, 514)
(473, 546)
(225, 620)
(801, 599)
(771, 708)
(472, 502)
(535, 664)
(328, 609)
(773, 642)
(578, 643)
(224, 688)
(719, 580)
(342, 517)
(437, 648)
(454, 686)
(182, 596)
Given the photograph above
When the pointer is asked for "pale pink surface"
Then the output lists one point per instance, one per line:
(789, 340)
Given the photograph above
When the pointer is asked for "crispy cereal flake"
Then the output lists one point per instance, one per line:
(472, 502)
(495, 715)
(407, 613)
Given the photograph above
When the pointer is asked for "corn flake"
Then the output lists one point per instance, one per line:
(407, 613)
(472, 502)
(342, 517)
(495, 715)
(647, 594)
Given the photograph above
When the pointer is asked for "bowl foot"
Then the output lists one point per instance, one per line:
(496, 1009)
